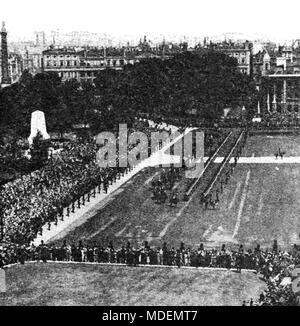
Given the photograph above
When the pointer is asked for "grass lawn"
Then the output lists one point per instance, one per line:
(80, 284)
(267, 145)
(259, 204)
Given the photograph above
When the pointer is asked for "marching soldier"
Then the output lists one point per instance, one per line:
(43, 252)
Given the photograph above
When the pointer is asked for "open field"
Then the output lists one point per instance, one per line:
(260, 203)
(83, 284)
(267, 145)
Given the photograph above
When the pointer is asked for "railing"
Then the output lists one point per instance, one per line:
(225, 161)
(85, 198)
(208, 163)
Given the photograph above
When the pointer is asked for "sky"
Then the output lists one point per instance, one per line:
(276, 20)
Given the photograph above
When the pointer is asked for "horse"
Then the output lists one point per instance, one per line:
(173, 200)
(155, 194)
(163, 196)
(159, 195)
(212, 203)
(209, 202)
(279, 153)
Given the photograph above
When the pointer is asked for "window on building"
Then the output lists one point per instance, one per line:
(61, 63)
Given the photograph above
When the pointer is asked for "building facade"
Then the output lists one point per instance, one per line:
(279, 80)
(81, 65)
(241, 51)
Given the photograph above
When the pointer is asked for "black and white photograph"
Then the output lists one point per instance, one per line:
(149, 155)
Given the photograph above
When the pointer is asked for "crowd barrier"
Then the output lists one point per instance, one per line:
(223, 164)
(86, 198)
(207, 165)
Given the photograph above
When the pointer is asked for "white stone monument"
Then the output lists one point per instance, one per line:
(225, 112)
(38, 123)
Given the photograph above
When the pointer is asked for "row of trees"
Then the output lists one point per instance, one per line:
(202, 83)
(199, 83)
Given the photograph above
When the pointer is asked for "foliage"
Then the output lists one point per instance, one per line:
(202, 83)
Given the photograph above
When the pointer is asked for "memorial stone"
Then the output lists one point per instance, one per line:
(38, 124)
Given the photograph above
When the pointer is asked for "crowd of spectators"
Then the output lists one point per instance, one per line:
(35, 199)
(29, 202)
(277, 272)
(277, 120)
(12, 161)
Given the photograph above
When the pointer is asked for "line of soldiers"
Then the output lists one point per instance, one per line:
(267, 262)
(212, 199)
(103, 184)
(130, 255)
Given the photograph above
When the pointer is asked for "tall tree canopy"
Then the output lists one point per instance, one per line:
(200, 82)
(204, 83)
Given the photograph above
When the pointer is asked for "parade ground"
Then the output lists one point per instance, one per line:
(83, 284)
(259, 204)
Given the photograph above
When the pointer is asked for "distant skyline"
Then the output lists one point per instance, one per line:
(274, 20)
